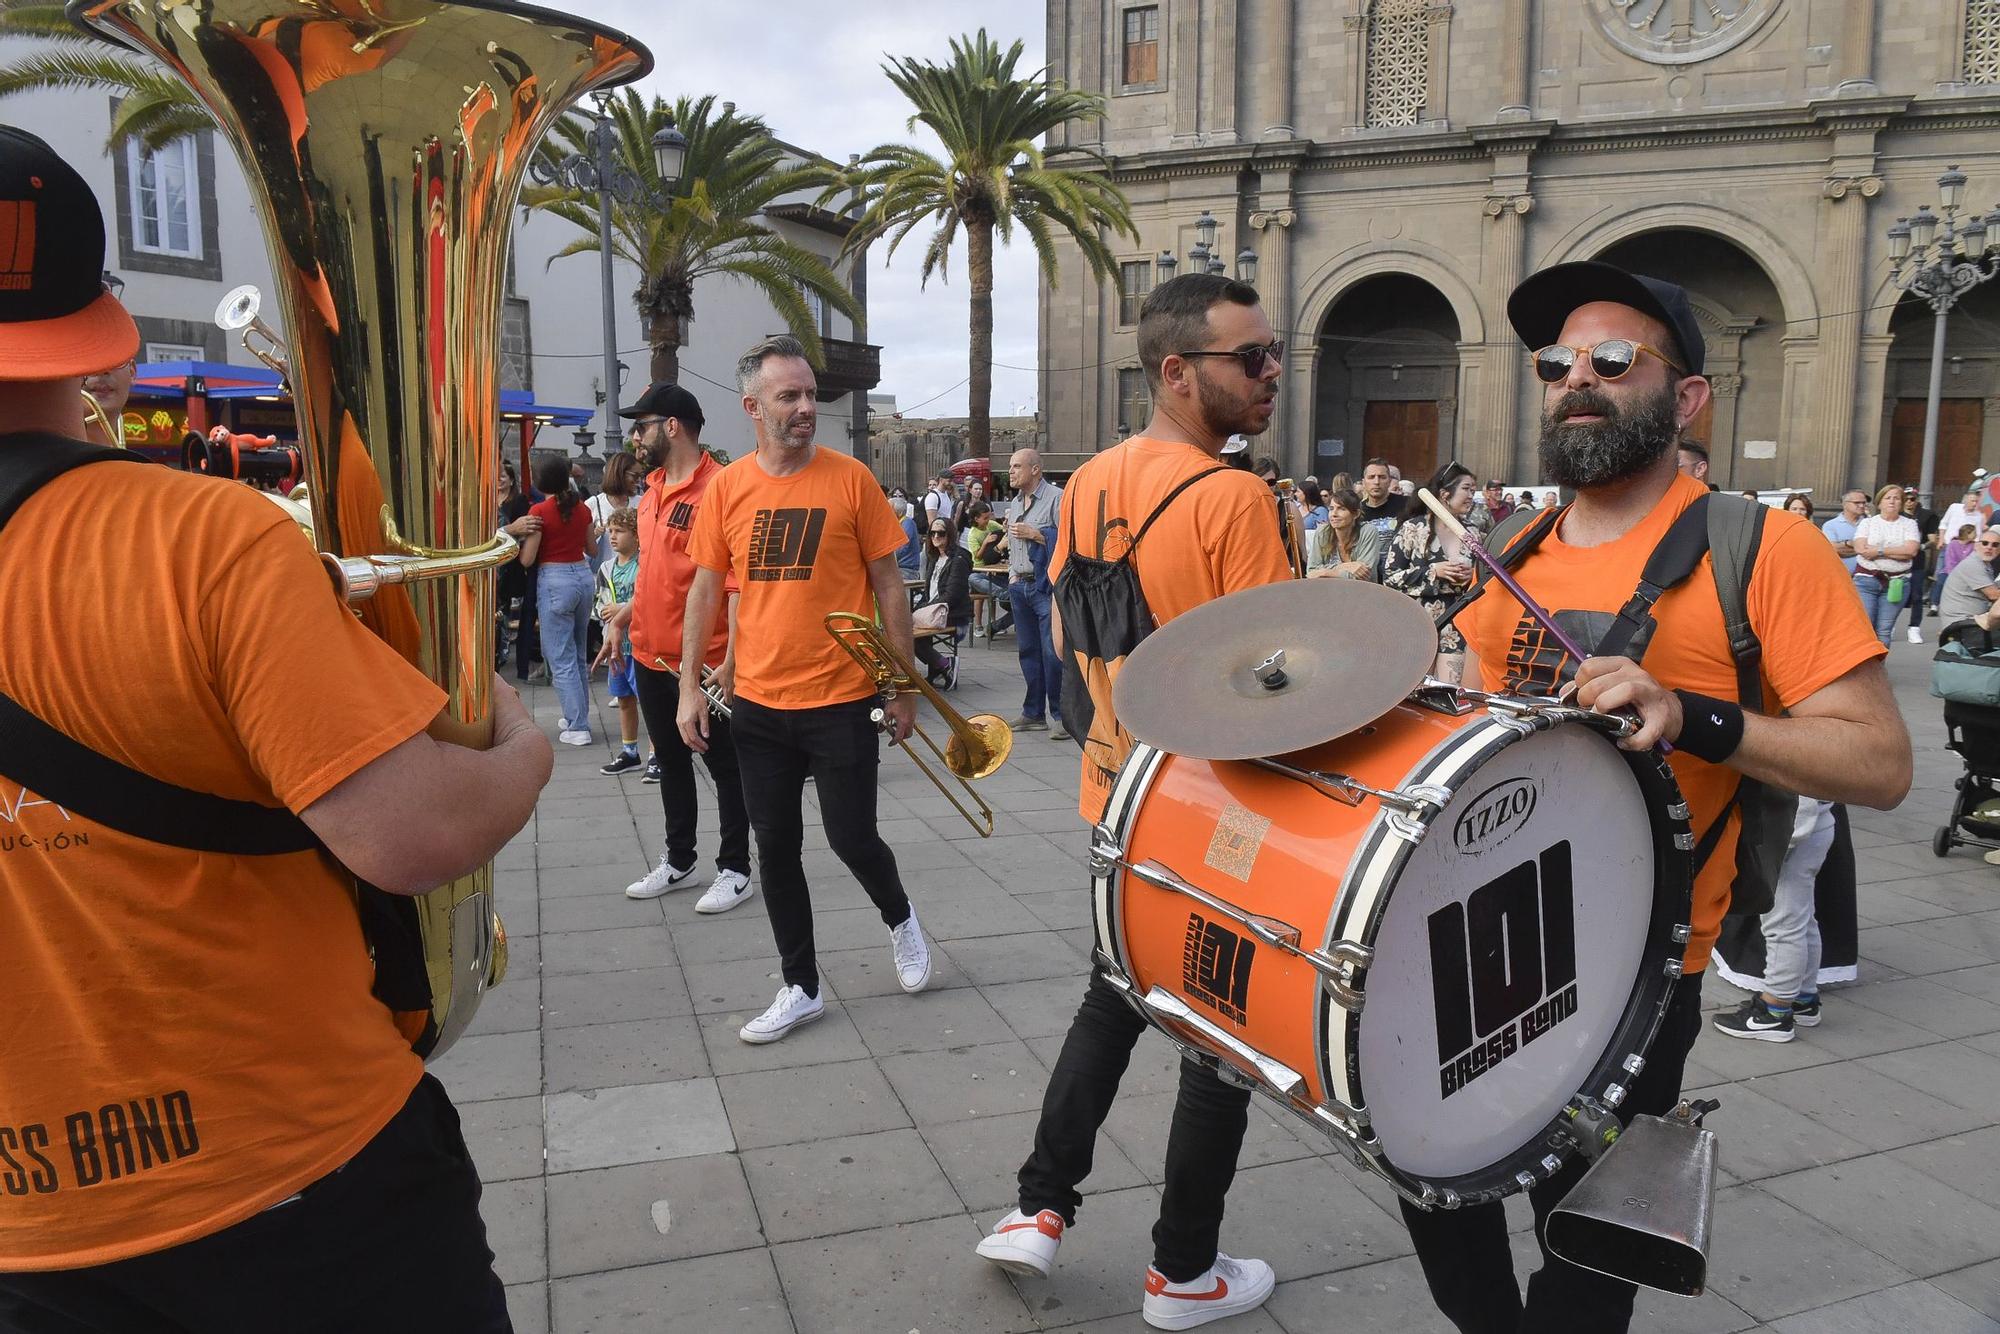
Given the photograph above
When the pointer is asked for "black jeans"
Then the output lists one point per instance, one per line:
(1207, 1134)
(389, 1242)
(840, 747)
(1465, 1253)
(528, 634)
(659, 702)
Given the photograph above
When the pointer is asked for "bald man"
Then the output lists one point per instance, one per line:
(1031, 536)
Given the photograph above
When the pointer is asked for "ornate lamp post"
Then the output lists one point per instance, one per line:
(1940, 267)
(597, 168)
(1206, 255)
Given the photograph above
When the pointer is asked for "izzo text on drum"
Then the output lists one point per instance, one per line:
(1503, 966)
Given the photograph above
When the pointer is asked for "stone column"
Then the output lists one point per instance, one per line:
(1180, 68)
(1795, 418)
(1854, 58)
(1273, 117)
(1516, 100)
(1870, 455)
(1438, 19)
(1356, 28)
(1219, 124)
(1494, 440)
(1296, 393)
(1841, 264)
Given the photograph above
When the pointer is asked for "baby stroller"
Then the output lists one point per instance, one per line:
(1965, 674)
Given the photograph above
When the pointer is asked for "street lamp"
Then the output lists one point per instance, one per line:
(1164, 266)
(1246, 266)
(1940, 267)
(597, 168)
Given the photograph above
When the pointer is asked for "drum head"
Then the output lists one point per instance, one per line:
(1520, 953)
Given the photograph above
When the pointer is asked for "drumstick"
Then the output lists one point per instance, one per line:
(1507, 581)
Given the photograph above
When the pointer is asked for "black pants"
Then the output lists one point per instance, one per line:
(390, 1242)
(528, 632)
(1207, 1134)
(1464, 1251)
(931, 656)
(659, 701)
(840, 747)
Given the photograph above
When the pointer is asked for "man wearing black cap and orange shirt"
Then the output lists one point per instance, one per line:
(1620, 358)
(666, 434)
(207, 1121)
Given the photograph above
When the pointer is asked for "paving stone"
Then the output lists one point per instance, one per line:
(607, 951)
(961, 1083)
(528, 1307)
(572, 1000)
(1739, 1058)
(599, 912)
(982, 913)
(517, 1229)
(855, 974)
(737, 1293)
(1969, 1162)
(1912, 1306)
(744, 986)
(829, 1038)
(515, 1006)
(1036, 1009)
(928, 1021)
(1919, 1223)
(1139, 1126)
(815, 1102)
(1959, 1074)
(1973, 931)
(1982, 982)
(505, 1136)
(492, 1065)
(644, 1123)
(1101, 1274)
(589, 855)
(909, 1276)
(1847, 1029)
(982, 1158)
(1757, 1137)
(1305, 1218)
(634, 1051)
(1926, 1004)
(1866, 1106)
(1387, 1298)
(1978, 1287)
(1907, 951)
(1771, 1260)
(1030, 956)
(647, 1213)
(845, 1184)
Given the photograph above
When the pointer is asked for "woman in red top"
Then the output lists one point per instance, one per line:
(562, 593)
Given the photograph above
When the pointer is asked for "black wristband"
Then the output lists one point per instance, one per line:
(1711, 728)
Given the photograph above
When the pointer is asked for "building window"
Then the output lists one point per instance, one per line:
(517, 362)
(1141, 46)
(1398, 63)
(1135, 401)
(1982, 41)
(1134, 281)
(166, 199)
(816, 310)
(175, 352)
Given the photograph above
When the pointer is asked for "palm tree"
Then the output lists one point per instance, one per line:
(993, 175)
(154, 107)
(733, 169)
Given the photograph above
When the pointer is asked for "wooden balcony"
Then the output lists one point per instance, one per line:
(850, 368)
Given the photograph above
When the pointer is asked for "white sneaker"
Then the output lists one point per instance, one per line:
(659, 880)
(1230, 1287)
(573, 738)
(1023, 1245)
(792, 1008)
(913, 955)
(1916, 635)
(728, 889)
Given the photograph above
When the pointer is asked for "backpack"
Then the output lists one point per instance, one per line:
(1732, 529)
(1104, 617)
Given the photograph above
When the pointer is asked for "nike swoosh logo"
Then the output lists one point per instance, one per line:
(1221, 1291)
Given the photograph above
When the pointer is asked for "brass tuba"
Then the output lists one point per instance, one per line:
(384, 142)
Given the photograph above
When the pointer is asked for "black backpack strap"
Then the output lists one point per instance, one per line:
(58, 768)
(1673, 560)
(1709, 840)
(1736, 535)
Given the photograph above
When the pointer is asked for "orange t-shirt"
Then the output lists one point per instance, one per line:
(1802, 606)
(188, 1038)
(1217, 537)
(659, 600)
(799, 547)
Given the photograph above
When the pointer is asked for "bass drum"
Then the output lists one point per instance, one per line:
(1436, 938)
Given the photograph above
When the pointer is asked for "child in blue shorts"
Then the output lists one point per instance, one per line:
(616, 579)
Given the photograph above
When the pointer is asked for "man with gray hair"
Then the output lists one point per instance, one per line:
(806, 531)
(1970, 590)
(1031, 536)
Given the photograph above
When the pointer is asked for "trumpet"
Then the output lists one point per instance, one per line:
(95, 415)
(978, 745)
(718, 703)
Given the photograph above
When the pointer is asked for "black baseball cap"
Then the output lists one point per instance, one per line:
(1542, 303)
(56, 319)
(663, 398)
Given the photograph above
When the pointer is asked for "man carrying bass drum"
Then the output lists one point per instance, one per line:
(1620, 358)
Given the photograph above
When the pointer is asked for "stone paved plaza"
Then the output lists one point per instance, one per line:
(648, 1171)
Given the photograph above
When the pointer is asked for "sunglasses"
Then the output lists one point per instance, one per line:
(1611, 359)
(1252, 359)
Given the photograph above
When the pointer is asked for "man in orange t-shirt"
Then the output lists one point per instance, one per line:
(1621, 357)
(803, 531)
(1213, 364)
(666, 433)
(207, 1121)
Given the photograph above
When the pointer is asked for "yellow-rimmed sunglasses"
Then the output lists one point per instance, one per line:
(1611, 359)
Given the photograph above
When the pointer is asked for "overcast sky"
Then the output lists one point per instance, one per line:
(812, 70)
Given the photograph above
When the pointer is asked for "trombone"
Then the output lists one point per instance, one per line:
(978, 745)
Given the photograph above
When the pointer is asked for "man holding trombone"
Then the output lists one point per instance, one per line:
(666, 435)
(803, 531)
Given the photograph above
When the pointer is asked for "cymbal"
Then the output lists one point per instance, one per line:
(1271, 670)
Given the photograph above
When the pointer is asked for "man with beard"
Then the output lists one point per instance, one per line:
(1621, 359)
(804, 531)
(1213, 362)
(666, 436)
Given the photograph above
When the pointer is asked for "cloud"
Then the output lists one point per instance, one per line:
(819, 85)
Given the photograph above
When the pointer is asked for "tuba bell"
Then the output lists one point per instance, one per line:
(384, 142)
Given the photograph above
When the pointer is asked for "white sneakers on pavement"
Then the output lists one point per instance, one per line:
(792, 1008)
(1024, 1245)
(659, 880)
(1916, 635)
(571, 736)
(913, 954)
(728, 889)
(1230, 1287)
